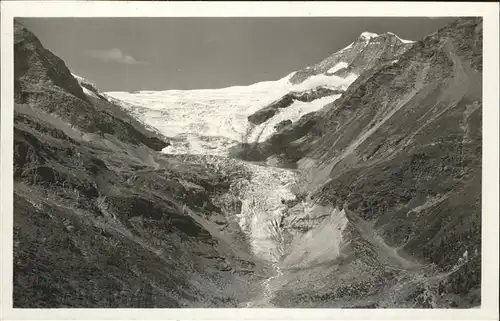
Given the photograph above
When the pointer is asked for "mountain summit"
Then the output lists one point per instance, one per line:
(367, 51)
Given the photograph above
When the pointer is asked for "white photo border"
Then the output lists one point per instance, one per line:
(490, 178)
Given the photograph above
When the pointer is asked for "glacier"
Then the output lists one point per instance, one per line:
(209, 121)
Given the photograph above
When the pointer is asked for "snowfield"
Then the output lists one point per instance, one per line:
(209, 121)
(369, 35)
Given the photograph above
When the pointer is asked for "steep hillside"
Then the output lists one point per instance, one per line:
(42, 81)
(100, 218)
(400, 152)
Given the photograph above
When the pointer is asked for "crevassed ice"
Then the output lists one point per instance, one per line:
(209, 121)
(262, 208)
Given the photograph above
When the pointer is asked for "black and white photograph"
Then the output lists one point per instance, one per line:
(248, 162)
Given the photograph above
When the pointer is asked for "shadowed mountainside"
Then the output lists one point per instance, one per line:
(100, 218)
(42, 81)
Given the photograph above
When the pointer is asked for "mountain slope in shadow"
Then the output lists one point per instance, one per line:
(103, 220)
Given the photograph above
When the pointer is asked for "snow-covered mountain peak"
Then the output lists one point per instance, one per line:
(366, 51)
(367, 36)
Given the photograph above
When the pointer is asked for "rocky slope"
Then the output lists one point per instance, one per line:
(100, 218)
(400, 153)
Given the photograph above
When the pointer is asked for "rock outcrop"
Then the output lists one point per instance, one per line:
(282, 124)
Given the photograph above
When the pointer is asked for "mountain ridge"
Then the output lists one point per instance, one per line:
(362, 54)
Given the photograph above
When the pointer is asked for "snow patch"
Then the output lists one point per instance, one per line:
(402, 40)
(293, 112)
(405, 41)
(84, 83)
(338, 66)
(90, 93)
(369, 35)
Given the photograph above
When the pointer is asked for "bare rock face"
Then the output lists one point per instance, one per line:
(282, 124)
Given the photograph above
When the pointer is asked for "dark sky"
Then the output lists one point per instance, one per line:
(127, 54)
